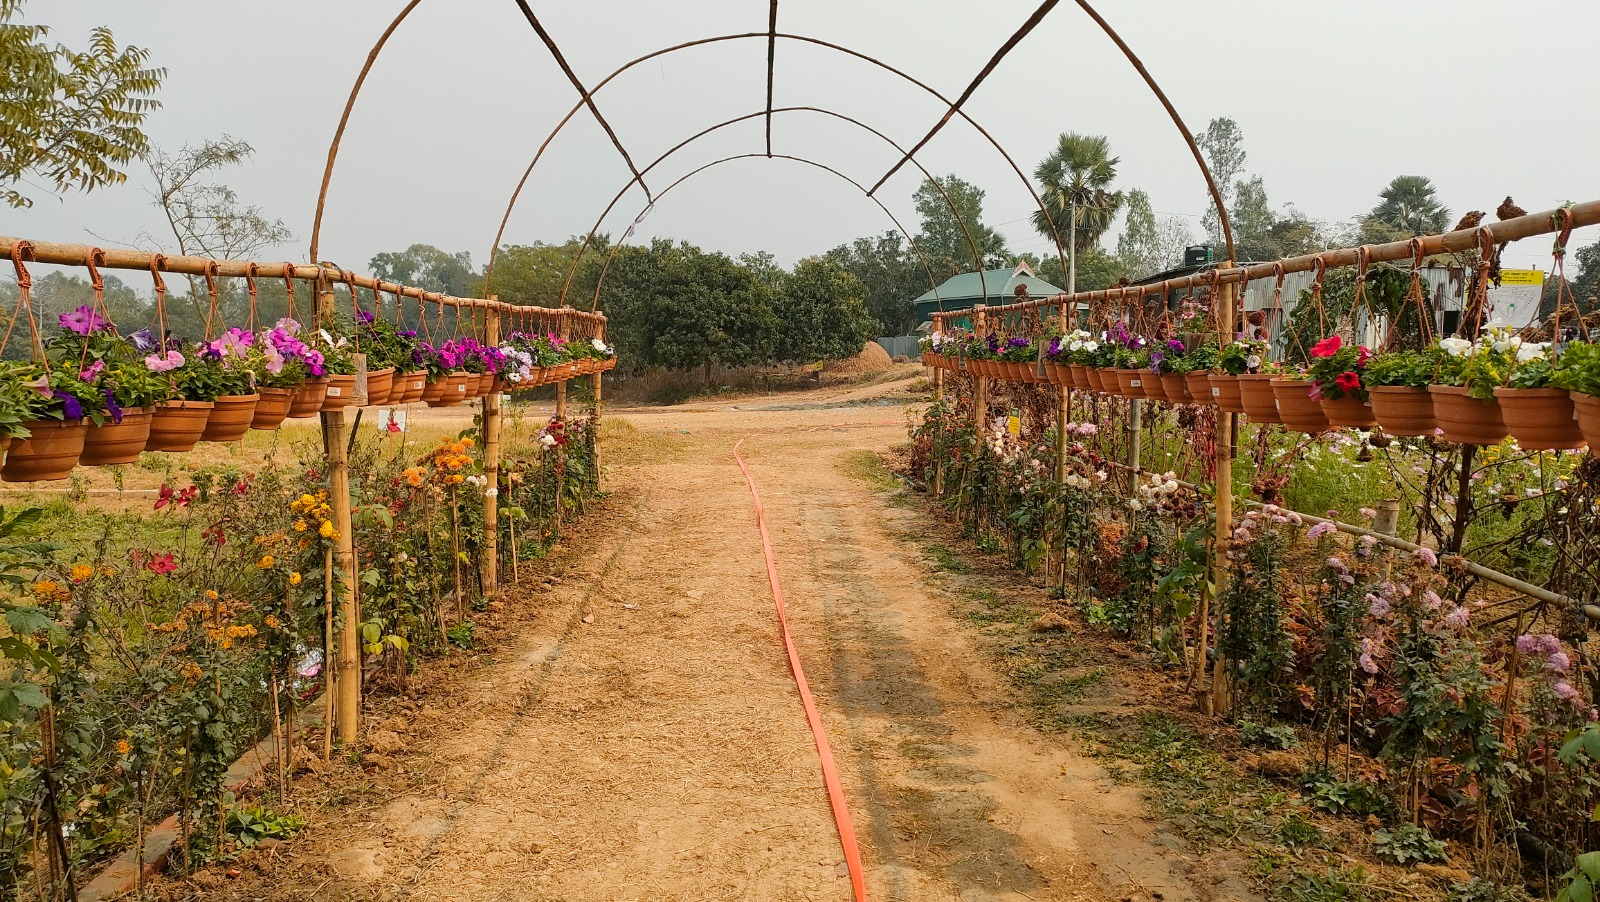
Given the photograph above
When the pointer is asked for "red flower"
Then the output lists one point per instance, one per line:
(187, 496)
(1362, 356)
(164, 497)
(1347, 381)
(1327, 347)
(160, 564)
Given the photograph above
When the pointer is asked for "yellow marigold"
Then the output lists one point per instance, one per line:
(454, 463)
(123, 747)
(299, 526)
(467, 443)
(212, 594)
(81, 572)
(294, 578)
(270, 621)
(457, 448)
(107, 570)
(457, 479)
(45, 588)
(413, 479)
(191, 672)
(266, 561)
(305, 542)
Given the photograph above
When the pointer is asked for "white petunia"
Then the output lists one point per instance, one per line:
(1532, 350)
(1455, 347)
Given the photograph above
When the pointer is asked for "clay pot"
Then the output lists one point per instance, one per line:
(1255, 394)
(1402, 410)
(1588, 409)
(50, 452)
(927, 358)
(1176, 387)
(1348, 411)
(1465, 419)
(175, 426)
(485, 384)
(454, 389)
(1540, 419)
(435, 389)
(379, 383)
(114, 444)
(308, 398)
(1297, 409)
(341, 392)
(1079, 374)
(415, 383)
(231, 418)
(272, 409)
(608, 364)
(1225, 392)
(1199, 384)
(1096, 378)
(1154, 388)
(1130, 383)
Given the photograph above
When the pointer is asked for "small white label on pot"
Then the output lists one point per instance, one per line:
(333, 391)
(1135, 383)
(461, 389)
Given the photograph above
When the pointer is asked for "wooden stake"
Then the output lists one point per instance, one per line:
(329, 677)
(1223, 529)
(491, 465)
(347, 701)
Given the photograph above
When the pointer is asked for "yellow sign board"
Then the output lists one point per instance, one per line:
(1521, 277)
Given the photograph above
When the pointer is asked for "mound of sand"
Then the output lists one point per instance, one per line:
(872, 360)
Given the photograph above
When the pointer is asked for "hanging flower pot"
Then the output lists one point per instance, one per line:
(272, 409)
(1095, 377)
(341, 392)
(176, 426)
(1225, 391)
(434, 391)
(416, 382)
(454, 389)
(1296, 408)
(308, 398)
(1348, 411)
(1154, 388)
(114, 444)
(607, 365)
(1257, 398)
(1402, 410)
(1466, 419)
(1198, 382)
(1079, 375)
(1540, 419)
(1588, 410)
(485, 385)
(51, 452)
(1176, 387)
(927, 358)
(231, 418)
(379, 383)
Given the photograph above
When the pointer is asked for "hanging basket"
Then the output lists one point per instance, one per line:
(1255, 395)
(308, 398)
(607, 365)
(1095, 378)
(1588, 410)
(1349, 412)
(452, 390)
(1540, 419)
(1079, 374)
(1154, 388)
(51, 452)
(485, 384)
(379, 384)
(1175, 387)
(1130, 383)
(176, 426)
(1297, 409)
(115, 444)
(1402, 410)
(1199, 384)
(1225, 392)
(272, 409)
(231, 418)
(341, 392)
(1466, 419)
(415, 383)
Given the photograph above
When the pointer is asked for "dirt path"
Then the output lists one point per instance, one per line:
(642, 739)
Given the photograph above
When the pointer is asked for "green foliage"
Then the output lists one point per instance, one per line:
(1407, 207)
(461, 634)
(892, 276)
(1074, 183)
(249, 826)
(951, 229)
(1408, 843)
(1272, 736)
(1358, 799)
(823, 313)
(1411, 369)
(426, 266)
(1582, 879)
(1578, 368)
(1333, 885)
(70, 117)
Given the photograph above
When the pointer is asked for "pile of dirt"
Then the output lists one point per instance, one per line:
(872, 360)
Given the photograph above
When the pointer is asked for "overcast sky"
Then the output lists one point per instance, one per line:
(1485, 97)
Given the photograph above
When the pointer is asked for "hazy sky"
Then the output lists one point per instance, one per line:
(1485, 97)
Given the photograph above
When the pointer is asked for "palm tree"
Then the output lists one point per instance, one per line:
(1410, 207)
(1074, 182)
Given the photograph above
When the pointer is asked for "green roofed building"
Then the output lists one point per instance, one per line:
(970, 288)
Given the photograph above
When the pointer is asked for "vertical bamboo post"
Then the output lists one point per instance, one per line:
(491, 462)
(1063, 412)
(561, 387)
(599, 377)
(938, 396)
(980, 384)
(335, 438)
(1223, 528)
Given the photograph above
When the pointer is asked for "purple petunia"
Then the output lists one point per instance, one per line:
(82, 321)
(71, 408)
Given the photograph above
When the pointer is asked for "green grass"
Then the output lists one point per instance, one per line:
(868, 467)
(946, 559)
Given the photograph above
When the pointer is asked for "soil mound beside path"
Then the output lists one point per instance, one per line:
(872, 360)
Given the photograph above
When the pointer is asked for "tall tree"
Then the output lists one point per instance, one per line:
(426, 266)
(1253, 221)
(1172, 237)
(1139, 245)
(892, 275)
(1408, 207)
(72, 118)
(1223, 146)
(536, 273)
(822, 313)
(1074, 183)
(943, 241)
(1586, 284)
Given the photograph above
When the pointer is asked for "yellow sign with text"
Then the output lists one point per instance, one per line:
(1521, 277)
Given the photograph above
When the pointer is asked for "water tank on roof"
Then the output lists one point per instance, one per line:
(1197, 255)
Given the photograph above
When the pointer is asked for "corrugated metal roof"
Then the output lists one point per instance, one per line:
(965, 290)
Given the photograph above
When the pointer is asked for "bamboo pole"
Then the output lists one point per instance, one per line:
(491, 468)
(1223, 527)
(980, 384)
(335, 451)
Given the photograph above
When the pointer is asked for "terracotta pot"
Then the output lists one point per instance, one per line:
(341, 392)
(51, 452)
(1348, 411)
(379, 383)
(1199, 384)
(1095, 378)
(499, 386)
(485, 385)
(1402, 410)
(1131, 383)
(608, 364)
(114, 444)
(273, 408)
(1225, 392)
(1540, 419)
(1297, 409)
(1154, 388)
(308, 398)
(175, 426)
(416, 382)
(1465, 419)
(1588, 409)
(231, 418)
(454, 391)
(434, 391)
(1255, 395)
(927, 358)
(1176, 387)
(1079, 374)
